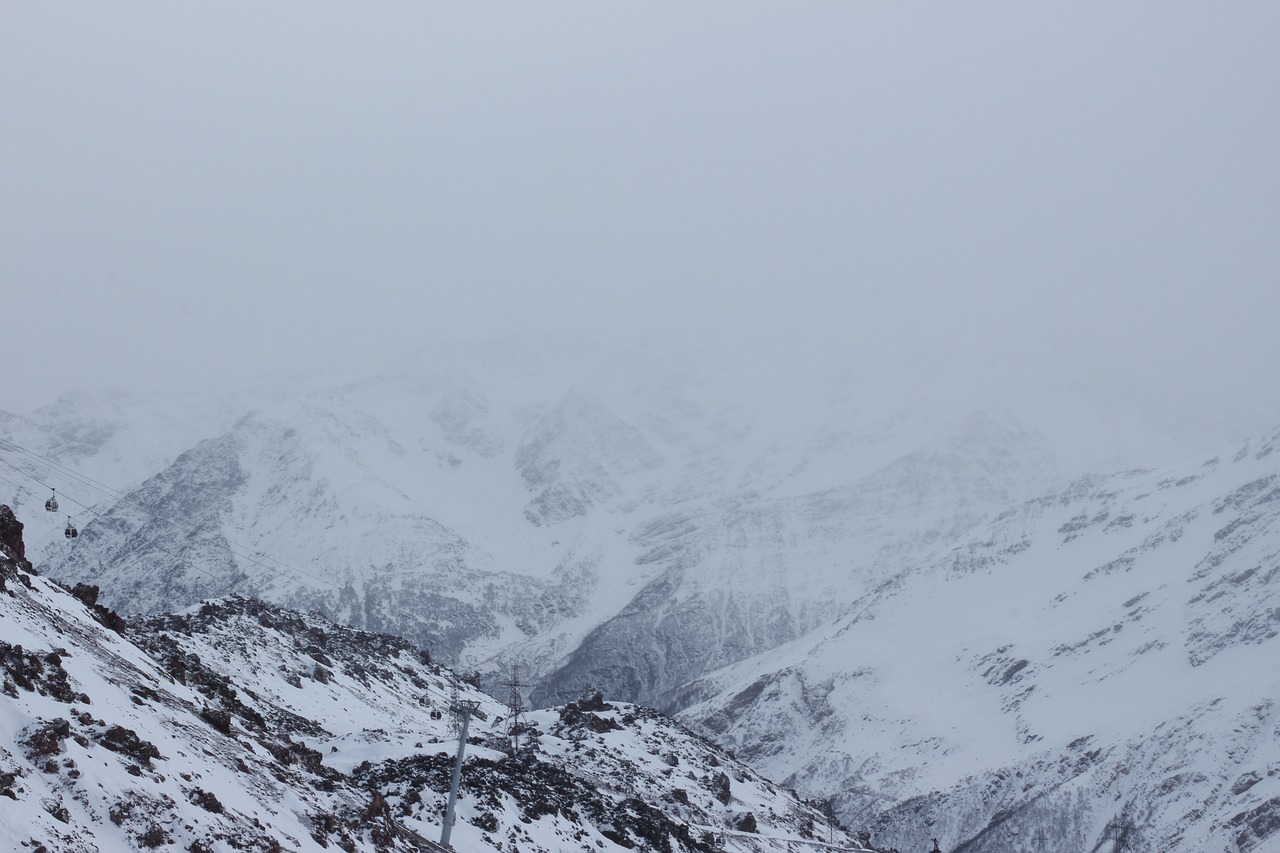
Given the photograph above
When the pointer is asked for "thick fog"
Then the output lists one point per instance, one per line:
(197, 194)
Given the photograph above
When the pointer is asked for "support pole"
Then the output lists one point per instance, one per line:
(463, 709)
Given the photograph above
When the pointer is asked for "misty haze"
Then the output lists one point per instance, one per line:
(839, 427)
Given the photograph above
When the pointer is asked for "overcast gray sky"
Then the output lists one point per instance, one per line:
(209, 190)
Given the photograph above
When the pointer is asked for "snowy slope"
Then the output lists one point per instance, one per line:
(242, 726)
(1109, 646)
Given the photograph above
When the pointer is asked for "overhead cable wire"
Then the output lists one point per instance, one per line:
(88, 482)
(151, 543)
(248, 554)
(18, 487)
(226, 545)
(87, 508)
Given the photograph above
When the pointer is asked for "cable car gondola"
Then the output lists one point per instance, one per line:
(70, 532)
(51, 505)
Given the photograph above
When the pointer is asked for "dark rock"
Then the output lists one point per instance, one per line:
(721, 788)
(377, 808)
(154, 836)
(46, 739)
(207, 801)
(120, 812)
(593, 700)
(11, 544)
(600, 725)
(218, 718)
(1257, 825)
(86, 593)
(1245, 782)
(126, 742)
(37, 673)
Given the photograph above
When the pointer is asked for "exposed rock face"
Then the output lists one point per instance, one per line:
(11, 539)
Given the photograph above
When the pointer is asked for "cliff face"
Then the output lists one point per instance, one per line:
(12, 546)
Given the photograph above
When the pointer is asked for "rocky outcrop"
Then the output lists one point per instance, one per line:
(12, 547)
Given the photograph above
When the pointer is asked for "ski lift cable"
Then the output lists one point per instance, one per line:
(182, 561)
(246, 553)
(52, 467)
(153, 543)
(95, 512)
(269, 572)
(18, 487)
(97, 485)
(89, 483)
(150, 543)
(228, 544)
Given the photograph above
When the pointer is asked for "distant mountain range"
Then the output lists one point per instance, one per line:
(935, 602)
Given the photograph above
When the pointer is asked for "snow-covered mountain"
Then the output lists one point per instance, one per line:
(850, 586)
(1107, 649)
(526, 495)
(511, 504)
(242, 726)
